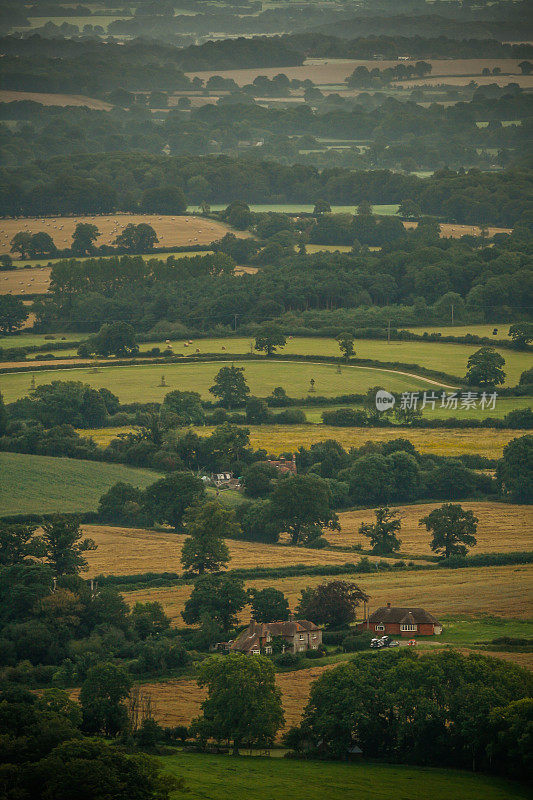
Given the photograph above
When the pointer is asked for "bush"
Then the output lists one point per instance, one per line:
(318, 544)
(345, 417)
(335, 638)
(291, 416)
(356, 641)
(287, 659)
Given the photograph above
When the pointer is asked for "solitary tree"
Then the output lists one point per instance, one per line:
(515, 469)
(167, 498)
(321, 207)
(453, 529)
(383, 532)
(346, 345)
(230, 386)
(268, 338)
(269, 605)
(62, 538)
(333, 604)
(115, 338)
(484, 368)
(21, 243)
(83, 239)
(102, 698)
(137, 238)
(243, 702)
(208, 525)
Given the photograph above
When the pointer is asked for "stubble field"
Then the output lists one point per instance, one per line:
(171, 231)
(502, 528)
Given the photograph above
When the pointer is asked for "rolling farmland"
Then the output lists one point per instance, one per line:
(45, 484)
(502, 528)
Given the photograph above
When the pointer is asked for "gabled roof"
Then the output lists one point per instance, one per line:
(252, 636)
(402, 616)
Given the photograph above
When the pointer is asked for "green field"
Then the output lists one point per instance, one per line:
(44, 484)
(464, 330)
(467, 631)
(212, 777)
(30, 339)
(503, 406)
(142, 382)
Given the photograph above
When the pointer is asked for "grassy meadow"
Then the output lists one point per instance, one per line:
(46, 484)
(143, 382)
(220, 777)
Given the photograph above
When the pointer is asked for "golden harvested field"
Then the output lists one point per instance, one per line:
(335, 70)
(25, 281)
(500, 591)
(449, 231)
(501, 528)
(7, 96)
(279, 439)
(129, 551)
(173, 231)
(524, 81)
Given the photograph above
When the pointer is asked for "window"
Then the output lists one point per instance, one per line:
(314, 635)
(380, 627)
(301, 636)
(301, 648)
(408, 627)
(268, 637)
(268, 650)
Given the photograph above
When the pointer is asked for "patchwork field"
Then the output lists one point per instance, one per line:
(8, 96)
(43, 484)
(323, 71)
(171, 231)
(502, 528)
(449, 231)
(278, 439)
(219, 777)
(498, 591)
(132, 382)
(130, 551)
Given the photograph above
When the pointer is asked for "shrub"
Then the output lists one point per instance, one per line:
(287, 659)
(356, 641)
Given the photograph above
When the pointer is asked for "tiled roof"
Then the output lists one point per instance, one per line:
(403, 616)
(251, 637)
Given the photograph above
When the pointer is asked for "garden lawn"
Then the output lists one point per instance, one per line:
(220, 777)
(44, 484)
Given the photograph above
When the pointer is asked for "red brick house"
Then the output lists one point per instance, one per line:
(396, 621)
(298, 635)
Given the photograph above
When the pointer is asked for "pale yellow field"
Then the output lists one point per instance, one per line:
(279, 439)
(501, 528)
(176, 231)
(449, 231)
(335, 70)
(129, 551)
(8, 96)
(503, 591)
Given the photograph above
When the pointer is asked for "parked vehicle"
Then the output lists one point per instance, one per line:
(383, 641)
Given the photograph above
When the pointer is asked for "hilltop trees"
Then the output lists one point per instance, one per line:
(383, 533)
(102, 698)
(243, 702)
(453, 530)
(515, 469)
(484, 368)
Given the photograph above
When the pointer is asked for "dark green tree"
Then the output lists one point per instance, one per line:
(207, 525)
(302, 504)
(220, 596)
(269, 605)
(522, 334)
(346, 345)
(230, 386)
(515, 469)
(114, 338)
(13, 314)
(268, 338)
(83, 239)
(102, 697)
(167, 498)
(62, 538)
(258, 479)
(383, 532)
(187, 406)
(333, 603)
(484, 368)
(453, 529)
(18, 543)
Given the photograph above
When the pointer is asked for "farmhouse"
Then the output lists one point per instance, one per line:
(397, 621)
(297, 635)
(283, 465)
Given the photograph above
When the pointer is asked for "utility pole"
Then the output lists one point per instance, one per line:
(388, 332)
(452, 313)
